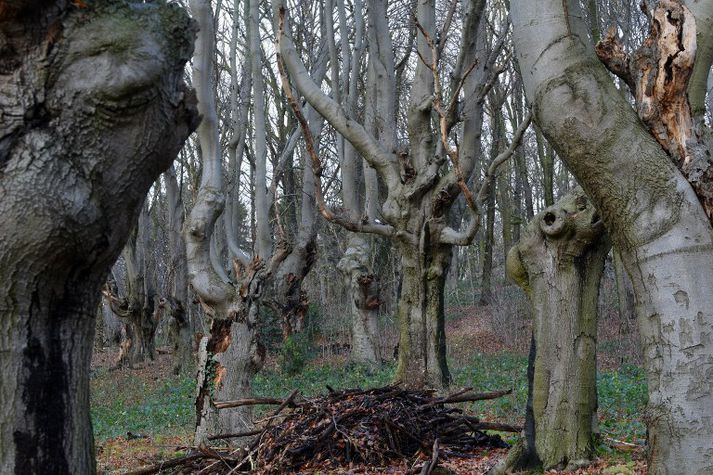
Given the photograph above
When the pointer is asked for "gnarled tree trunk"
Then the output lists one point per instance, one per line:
(559, 263)
(651, 211)
(93, 108)
(422, 348)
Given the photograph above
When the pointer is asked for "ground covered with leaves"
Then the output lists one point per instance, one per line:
(145, 415)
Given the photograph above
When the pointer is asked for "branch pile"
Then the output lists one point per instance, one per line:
(375, 426)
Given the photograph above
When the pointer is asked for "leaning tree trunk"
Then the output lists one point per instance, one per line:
(559, 263)
(89, 120)
(651, 211)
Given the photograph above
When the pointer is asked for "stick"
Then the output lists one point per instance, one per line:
(464, 397)
(248, 402)
(164, 465)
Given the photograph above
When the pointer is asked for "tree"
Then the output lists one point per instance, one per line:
(559, 263)
(137, 307)
(231, 355)
(93, 109)
(652, 214)
(420, 187)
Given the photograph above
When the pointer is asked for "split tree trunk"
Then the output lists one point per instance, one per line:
(77, 155)
(559, 263)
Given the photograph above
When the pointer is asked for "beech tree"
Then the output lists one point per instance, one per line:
(137, 306)
(638, 170)
(422, 180)
(270, 273)
(559, 263)
(93, 108)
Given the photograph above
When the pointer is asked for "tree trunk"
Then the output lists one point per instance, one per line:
(363, 289)
(486, 276)
(176, 304)
(422, 342)
(228, 360)
(78, 152)
(654, 219)
(559, 263)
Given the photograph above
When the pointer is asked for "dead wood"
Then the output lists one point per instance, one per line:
(375, 426)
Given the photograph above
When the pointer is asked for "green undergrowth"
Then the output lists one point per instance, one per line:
(122, 404)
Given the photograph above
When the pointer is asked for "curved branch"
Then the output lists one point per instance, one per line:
(465, 237)
(382, 160)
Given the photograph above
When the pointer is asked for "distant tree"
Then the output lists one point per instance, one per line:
(92, 109)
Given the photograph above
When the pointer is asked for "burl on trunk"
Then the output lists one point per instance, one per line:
(559, 263)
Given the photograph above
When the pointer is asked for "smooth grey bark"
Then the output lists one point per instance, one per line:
(231, 355)
(93, 108)
(175, 305)
(559, 263)
(361, 282)
(654, 219)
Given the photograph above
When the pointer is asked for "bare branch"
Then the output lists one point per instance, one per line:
(463, 238)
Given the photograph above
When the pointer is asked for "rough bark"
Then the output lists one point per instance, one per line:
(653, 216)
(559, 263)
(93, 108)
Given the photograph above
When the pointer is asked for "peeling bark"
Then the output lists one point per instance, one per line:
(659, 74)
(93, 108)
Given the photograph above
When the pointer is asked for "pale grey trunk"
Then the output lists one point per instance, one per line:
(363, 295)
(654, 218)
(262, 198)
(77, 155)
(176, 305)
(559, 263)
(362, 284)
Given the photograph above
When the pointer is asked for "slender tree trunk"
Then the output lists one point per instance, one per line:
(76, 159)
(176, 305)
(559, 263)
(486, 275)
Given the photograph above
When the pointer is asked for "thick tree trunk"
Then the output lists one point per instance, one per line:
(89, 120)
(559, 263)
(422, 342)
(654, 218)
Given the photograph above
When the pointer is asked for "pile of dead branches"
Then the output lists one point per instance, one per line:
(375, 426)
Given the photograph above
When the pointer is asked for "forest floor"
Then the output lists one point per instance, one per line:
(145, 415)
